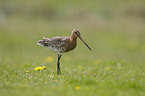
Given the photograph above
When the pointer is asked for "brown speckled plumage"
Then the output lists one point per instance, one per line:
(60, 44)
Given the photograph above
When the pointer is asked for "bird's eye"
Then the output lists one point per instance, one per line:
(77, 33)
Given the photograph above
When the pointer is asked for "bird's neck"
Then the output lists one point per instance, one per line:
(73, 42)
(73, 39)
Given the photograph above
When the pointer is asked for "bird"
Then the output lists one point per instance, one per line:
(62, 44)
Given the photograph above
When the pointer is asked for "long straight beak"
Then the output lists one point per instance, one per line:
(84, 42)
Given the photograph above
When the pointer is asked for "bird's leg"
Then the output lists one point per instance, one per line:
(58, 65)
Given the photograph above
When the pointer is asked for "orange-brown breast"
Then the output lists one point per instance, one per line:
(71, 44)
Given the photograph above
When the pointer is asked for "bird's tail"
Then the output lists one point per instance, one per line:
(44, 38)
(44, 42)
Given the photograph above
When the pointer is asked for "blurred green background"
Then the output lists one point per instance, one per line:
(114, 29)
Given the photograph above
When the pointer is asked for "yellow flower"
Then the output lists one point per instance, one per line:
(79, 67)
(21, 85)
(49, 59)
(77, 87)
(107, 68)
(43, 67)
(119, 67)
(27, 71)
(97, 61)
(57, 80)
(38, 68)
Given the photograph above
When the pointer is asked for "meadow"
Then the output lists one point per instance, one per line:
(114, 30)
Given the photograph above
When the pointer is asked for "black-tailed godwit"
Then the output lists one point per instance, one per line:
(62, 44)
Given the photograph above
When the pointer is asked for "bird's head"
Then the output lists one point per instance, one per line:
(76, 33)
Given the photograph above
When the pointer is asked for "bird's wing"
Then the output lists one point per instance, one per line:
(59, 41)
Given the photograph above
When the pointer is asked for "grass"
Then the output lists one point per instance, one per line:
(114, 30)
(93, 79)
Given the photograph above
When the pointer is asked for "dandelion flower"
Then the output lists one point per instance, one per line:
(49, 59)
(57, 80)
(97, 61)
(107, 68)
(27, 71)
(77, 87)
(38, 68)
(21, 85)
(79, 67)
(119, 67)
(43, 67)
